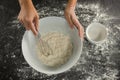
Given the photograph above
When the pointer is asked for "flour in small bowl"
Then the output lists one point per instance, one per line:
(61, 46)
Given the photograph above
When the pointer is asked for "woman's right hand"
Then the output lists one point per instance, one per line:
(28, 16)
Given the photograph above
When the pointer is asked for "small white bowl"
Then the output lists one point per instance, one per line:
(96, 33)
(51, 24)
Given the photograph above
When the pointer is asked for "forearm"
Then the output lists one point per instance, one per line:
(26, 3)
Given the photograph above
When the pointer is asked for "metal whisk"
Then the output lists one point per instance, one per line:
(43, 45)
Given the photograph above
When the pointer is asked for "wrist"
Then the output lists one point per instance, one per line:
(26, 4)
(72, 3)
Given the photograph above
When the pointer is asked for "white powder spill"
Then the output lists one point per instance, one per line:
(97, 62)
(94, 60)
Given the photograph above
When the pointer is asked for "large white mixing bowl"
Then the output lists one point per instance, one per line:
(51, 24)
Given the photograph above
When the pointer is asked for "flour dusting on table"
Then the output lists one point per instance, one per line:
(97, 62)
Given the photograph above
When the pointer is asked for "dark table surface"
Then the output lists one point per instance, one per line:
(97, 62)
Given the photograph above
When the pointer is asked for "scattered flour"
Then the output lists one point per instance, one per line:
(94, 63)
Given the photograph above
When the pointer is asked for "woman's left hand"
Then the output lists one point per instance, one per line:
(73, 21)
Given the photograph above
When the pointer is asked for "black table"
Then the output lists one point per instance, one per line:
(97, 62)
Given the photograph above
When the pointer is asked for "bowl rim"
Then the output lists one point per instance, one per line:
(89, 38)
(47, 72)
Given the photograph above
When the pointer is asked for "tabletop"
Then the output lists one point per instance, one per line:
(97, 61)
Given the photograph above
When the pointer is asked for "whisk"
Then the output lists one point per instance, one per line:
(43, 45)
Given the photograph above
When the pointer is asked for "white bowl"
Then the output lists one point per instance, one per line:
(51, 24)
(96, 33)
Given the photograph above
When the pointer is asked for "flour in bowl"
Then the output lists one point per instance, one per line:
(61, 46)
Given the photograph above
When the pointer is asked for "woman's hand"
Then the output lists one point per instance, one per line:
(28, 16)
(72, 20)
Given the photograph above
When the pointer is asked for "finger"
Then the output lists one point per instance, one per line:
(20, 20)
(19, 17)
(81, 30)
(32, 27)
(36, 22)
(25, 25)
(69, 21)
(78, 26)
(22, 24)
(81, 33)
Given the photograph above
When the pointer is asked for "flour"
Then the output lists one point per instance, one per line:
(61, 49)
(94, 63)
